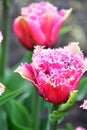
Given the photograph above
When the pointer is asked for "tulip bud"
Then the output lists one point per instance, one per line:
(39, 24)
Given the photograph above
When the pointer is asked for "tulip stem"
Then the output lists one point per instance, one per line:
(28, 56)
(3, 55)
(53, 125)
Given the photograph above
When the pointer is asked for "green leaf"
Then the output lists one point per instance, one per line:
(8, 95)
(28, 56)
(69, 127)
(13, 80)
(82, 89)
(3, 120)
(8, 2)
(18, 116)
(15, 85)
(59, 114)
(64, 30)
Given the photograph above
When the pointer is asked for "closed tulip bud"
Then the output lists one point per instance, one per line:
(39, 24)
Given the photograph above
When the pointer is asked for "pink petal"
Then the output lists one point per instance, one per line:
(22, 31)
(37, 34)
(56, 30)
(26, 71)
(63, 15)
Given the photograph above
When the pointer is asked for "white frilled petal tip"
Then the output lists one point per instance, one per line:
(73, 47)
(68, 12)
(20, 70)
(2, 89)
(1, 37)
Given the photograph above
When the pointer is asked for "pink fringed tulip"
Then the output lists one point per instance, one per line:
(84, 105)
(2, 88)
(55, 72)
(39, 24)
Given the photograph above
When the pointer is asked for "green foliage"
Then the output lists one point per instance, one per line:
(15, 85)
(19, 118)
(82, 89)
(3, 120)
(64, 30)
(69, 127)
(59, 114)
(8, 95)
(8, 2)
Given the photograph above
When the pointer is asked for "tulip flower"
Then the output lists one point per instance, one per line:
(39, 24)
(55, 73)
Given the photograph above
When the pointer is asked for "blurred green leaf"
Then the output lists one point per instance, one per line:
(59, 114)
(13, 80)
(8, 2)
(82, 89)
(28, 56)
(15, 85)
(69, 127)
(8, 95)
(64, 30)
(3, 120)
(19, 116)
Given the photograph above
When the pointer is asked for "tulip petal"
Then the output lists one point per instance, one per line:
(22, 31)
(26, 71)
(63, 16)
(56, 30)
(37, 34)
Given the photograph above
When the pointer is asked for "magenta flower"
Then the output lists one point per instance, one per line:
(55, 72)
(2, 88)
(84, 105)
(39, 24)
(80, 128)
(1, 37)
